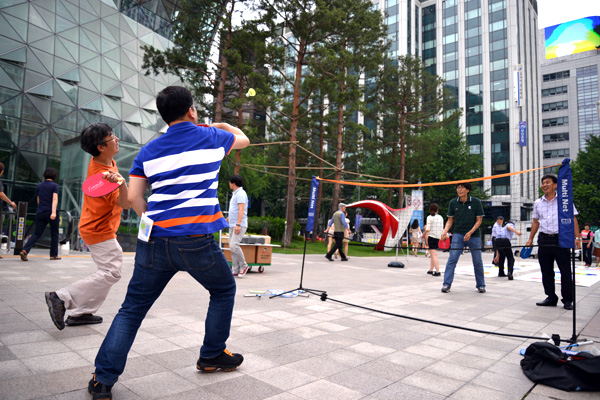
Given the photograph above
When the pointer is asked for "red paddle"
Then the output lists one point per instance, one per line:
(444, 244)
(97, 186)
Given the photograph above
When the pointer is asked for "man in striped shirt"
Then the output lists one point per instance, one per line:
(182, 168)
(545, 219)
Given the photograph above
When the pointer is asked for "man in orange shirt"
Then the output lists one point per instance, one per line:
(100, 219)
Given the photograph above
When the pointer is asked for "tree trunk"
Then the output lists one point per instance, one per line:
(392, 173)
(340, 142)
(221, 89)
(321, 155)
(240, 125)
(291, 184)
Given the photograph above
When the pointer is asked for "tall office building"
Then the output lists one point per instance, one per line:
(569, 91)
(486, 52)
(65, 64)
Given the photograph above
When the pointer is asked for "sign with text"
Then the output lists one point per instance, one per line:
(523, 133)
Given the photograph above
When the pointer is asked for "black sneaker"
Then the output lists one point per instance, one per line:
(445, 289)
(84, 319)
(226, 361)
(56, 307)
(437, 274)
(481, 289)
(430, 272)
(98, 390)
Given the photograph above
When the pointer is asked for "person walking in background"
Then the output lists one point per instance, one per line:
(465, 213)
(495, 230)
(347, 233)
(47, 202)
(545, 219)
(330, 241)
(100, 219)
(596, 240)
(182, 167)
(503, 246)
(338, 221)
(3, 196)
(238, 223)
(587, 241)
(433, 233)
(415, 236)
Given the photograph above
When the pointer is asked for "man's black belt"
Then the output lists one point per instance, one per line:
(549, 234)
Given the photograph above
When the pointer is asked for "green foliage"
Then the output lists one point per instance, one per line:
(275, 226)
(447, 160)
(586, 182)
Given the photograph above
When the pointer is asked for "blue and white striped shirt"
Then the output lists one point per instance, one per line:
(182, 168)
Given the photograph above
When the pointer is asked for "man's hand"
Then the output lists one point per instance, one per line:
(444, 236)
(53, 216)
(237, 230)
(529, 243)
(467, 236)
(13, 205)
(113, 177)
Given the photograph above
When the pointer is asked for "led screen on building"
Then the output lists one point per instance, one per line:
(572, 37)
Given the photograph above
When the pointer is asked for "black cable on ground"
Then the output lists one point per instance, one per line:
(555, 338)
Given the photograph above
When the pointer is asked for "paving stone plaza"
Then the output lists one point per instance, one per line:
(294, 348)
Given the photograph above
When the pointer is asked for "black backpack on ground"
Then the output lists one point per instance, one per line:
(547, 364)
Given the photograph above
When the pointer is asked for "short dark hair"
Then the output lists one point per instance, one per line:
(237, 180)
(466, 185)
(1, 167)
(50, 173)
(93, 135)
(173, 102)
(500, 217)
(550, 176)
(433, 208)
(415, 224)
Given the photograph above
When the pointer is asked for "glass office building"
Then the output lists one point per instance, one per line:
(65, 64)
(486, 52)
(569, 101)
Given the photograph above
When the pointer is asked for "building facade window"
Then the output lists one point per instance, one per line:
(557, 105)
(428, 24)
(473, 76)
(555, 91)
(587, 99)
(555, 122)
(556, 76)
(556, 137)
(498, 56)
(558, 153)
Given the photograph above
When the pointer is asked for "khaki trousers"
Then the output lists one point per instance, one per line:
(87, 295)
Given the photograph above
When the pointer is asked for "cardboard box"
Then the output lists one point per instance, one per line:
(249, 253)
(263, 254)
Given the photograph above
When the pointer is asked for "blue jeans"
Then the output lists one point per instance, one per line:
(458, 243)
(156, 262)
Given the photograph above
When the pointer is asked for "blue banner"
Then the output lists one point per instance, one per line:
(564, 193)
(523, 133)
(312, 206)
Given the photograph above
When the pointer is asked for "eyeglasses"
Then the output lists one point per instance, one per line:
(112, 137)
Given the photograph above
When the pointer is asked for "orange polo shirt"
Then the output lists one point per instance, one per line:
(100, 216)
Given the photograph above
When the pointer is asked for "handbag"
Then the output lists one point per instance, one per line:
(596, 251)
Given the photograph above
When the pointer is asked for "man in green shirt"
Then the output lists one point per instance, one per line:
(465, 213)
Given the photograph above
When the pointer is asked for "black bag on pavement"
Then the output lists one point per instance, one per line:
(547, 364)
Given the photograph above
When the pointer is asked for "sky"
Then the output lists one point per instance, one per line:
(552, 12)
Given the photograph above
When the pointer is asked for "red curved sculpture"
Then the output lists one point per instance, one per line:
(388, 215)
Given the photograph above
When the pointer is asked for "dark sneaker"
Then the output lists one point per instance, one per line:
(568, 305)
(98, 390)
(226, 361)
(329, 258)
(23, 255)
(445, 289)
(437, 274)
(547, 303)
(345, 259)
(481, 289)
(84, 319)
(56, 307)
(430, 272)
